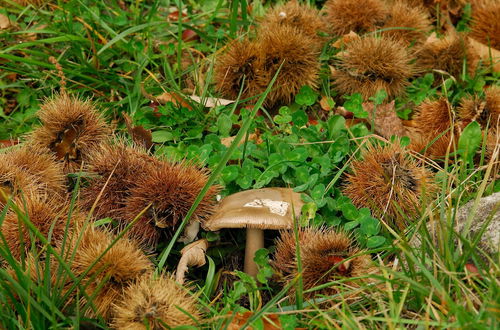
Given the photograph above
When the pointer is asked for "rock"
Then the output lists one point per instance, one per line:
(488, 210)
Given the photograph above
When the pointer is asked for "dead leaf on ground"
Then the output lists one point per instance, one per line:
(327, 103)
(175, 98)
(488, 55)
(8, 143)
(344, 113)
(345, 39)
(255, 137)
(4, 22)
(270, 321)
(210, 102)
(432, 38)
(189, 35)
(385, 119)
(139, 134)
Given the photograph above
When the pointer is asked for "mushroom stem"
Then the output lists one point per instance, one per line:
(192, 255)
(190, 233)
(182, 268)
(255, 241)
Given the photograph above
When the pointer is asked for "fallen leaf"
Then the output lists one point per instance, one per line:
(385, 119)
(488, 55)
(4, 22)
(8, 143)
(312, 121)
(255, 137)
(432, 38)
(352, 122)
(471, 268)
(174, 98)
(174, 16)
(189, 35)
(270, 321)
(327, 103)
(11, 76)
(139, 134)
(345, 39)
(210, 102)
(344, 113)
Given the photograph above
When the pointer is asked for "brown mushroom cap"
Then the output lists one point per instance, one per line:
(266, 208)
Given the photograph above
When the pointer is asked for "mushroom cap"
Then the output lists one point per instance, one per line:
(266, 208)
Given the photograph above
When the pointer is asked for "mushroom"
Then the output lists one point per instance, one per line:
(192, 255)
(190, 232)
(256, 210)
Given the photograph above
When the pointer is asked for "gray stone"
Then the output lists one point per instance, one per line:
(488, 209)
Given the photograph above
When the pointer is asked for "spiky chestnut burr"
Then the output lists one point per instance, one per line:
(303, 17)
(122, 265)
(169, 189)
(407, 24)
(434, 132)
(391, 183)
(434, 115)
(71, 129)
(359, 16)
(155, 303)
(49, 215)
(239, 68)
(116, 168)
(298, 56)
(447, 54)
(13, 181)
(485, 22)
(327, 256)
(369, 64)
(484, 110)
(41, 166)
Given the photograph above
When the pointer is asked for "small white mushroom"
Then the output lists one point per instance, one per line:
(256, 210)
(192, 255)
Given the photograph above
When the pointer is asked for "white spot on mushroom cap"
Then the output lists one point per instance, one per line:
(277, 207)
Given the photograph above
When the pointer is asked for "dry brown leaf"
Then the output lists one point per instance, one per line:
(352, 122)
(139, 134)
(271, 321)
(345, 39)
(255, 137)
(210, 102)
(4, 22)
(326, 103)
(432, 38)
(8, 143)
(344, 113)
(174, 98)
(385, 119)
(490, 56)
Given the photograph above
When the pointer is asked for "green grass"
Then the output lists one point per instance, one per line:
(117, 53)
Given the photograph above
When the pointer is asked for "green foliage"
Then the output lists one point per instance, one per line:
(469, 141)
(262, 260)
(354, 103)
(306, 96)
